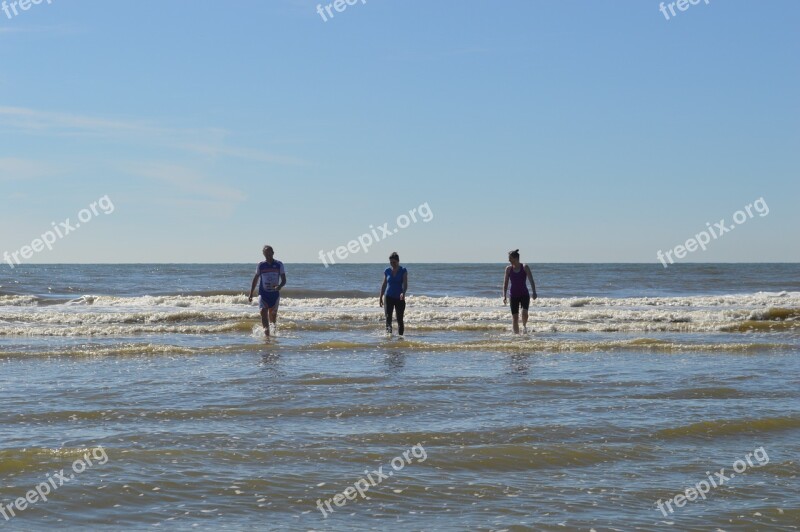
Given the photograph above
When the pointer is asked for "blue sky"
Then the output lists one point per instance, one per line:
(576, 131)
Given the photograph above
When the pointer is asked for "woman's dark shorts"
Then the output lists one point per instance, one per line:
(525, 301)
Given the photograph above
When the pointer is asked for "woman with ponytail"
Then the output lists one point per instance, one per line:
(518, 274)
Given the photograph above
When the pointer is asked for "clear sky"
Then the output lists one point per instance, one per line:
(575, 130)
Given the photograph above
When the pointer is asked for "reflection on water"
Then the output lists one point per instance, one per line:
(395, 360)
(520, 363)
(270, 362)
(593, 441)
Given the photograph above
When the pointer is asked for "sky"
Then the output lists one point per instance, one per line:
(574, 130)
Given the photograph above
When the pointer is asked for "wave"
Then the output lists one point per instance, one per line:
(18, 301)
(126, 349)
(297, 293)
(108, 320)
(554, 346)
(756, 302)
(505, 457)
(712, 392)
(730, 427)
(14, 461)
(93, 315)
(761, 326)
(151, 317)
(339, 344)
(774, 313)
(122, 330)
(514, 346)
(178, 301)
(664, 311)
(327, 380)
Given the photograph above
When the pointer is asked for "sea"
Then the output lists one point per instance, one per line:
(145, 396)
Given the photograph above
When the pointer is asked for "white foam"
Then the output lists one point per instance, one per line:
(109, 315)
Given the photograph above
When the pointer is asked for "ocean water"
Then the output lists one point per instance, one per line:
(634, 383)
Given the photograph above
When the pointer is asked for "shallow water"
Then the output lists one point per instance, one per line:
(613, 403)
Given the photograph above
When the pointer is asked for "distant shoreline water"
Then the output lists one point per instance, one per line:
(457, 279)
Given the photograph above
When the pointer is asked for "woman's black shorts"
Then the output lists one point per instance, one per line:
(525, 301)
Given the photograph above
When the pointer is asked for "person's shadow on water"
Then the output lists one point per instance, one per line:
(395, 361)
(520, 364)
(270, 362)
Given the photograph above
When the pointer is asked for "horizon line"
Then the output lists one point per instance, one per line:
(373, 263)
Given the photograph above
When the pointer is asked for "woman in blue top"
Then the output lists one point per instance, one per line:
(395, 285)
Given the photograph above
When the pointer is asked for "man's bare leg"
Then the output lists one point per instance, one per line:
(265, 320)
(273, 317)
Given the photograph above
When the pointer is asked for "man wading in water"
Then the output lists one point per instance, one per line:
(273, 277)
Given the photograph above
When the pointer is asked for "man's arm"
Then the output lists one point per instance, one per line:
(283, 282)
(530, 278)
(253, 287)
(505, 286)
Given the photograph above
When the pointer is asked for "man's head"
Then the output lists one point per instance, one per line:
(268, 252)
